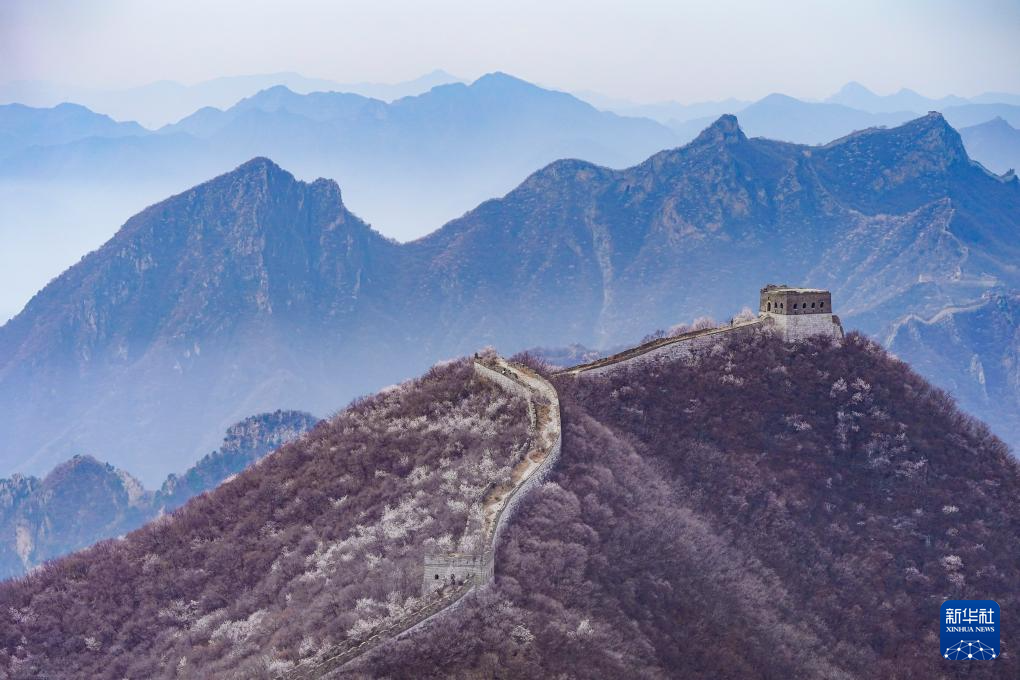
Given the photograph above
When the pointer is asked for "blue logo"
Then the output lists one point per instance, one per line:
(970, 630)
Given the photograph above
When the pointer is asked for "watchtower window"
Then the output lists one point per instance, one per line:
(822, 304)
(768, 306)
(812, 305)
(437, 577)
(795, 305)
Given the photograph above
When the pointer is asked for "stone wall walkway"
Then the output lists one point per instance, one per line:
(544, 412)
(660, 346)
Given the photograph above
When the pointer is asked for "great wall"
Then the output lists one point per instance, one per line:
(794, 314)
(448, 577)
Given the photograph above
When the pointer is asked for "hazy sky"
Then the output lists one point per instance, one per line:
(641, 49)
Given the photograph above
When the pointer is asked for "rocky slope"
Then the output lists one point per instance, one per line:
(245, 443)
(972, 351)
(765, 509)
(893, 221)
(83, 501)
(75, 505)
(201, 310)
(255, 290)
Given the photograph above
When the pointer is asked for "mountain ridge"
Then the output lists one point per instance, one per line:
(252, 292)
(162, 102)
(480, 138)
(23, 127)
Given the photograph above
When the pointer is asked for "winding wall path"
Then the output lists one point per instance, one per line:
(544, 413)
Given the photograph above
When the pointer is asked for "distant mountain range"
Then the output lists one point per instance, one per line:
(852, 95)
(854, 107)
(256, 291)
(407, 166)
(23, 127)
(157, 104)
(996, 143)
(83, 501)
(856, 96)
(778, 116)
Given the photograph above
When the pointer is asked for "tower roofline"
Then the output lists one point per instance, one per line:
(783, 288)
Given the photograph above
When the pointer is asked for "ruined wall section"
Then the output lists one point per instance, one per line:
(460, 573)
(551, 439)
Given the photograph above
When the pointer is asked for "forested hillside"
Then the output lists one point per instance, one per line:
(768, 510)
(764, 509)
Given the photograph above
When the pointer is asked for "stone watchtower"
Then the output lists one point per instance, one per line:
(798, 313)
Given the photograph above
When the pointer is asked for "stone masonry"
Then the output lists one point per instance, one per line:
(799, 313)
(454, 569)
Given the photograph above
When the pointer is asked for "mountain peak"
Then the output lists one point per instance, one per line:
(853, 87)
(778, 98)
(258, 164)
(79, 467)
(271, 98)
(725, 130)
(260, 169)
(997, 123)
(80, 460)
(276, 90)
(502, 80)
